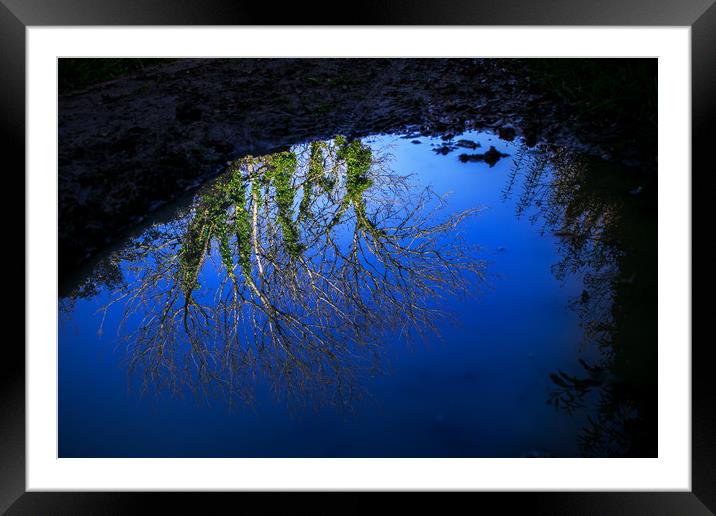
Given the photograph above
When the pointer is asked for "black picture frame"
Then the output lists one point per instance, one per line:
(17, 15)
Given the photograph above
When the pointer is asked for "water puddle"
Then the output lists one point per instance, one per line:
(388, 296)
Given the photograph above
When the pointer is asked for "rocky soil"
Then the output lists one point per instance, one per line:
(129, 146)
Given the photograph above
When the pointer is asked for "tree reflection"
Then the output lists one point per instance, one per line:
(292, 266)
(607, 235)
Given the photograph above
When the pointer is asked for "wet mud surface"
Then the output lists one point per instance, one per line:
(131, 146)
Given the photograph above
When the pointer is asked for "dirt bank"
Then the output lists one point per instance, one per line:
(131, 145)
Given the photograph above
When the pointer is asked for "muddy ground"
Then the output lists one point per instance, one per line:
(129, 146)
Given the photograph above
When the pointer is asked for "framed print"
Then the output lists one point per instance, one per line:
(428, 248)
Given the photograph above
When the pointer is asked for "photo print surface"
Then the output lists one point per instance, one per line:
(357, 258)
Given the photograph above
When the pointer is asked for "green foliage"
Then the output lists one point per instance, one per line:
(283, 169)
(236, 190)
(358, 159)
(210, 220)
(326, 183)
(339, 140)
(315, 174)
(222, 232)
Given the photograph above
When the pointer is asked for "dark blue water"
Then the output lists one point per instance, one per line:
(478, 386)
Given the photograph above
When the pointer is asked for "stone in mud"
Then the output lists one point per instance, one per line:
(490, 157)
(443, 149)
(506, 133)
(467, 144)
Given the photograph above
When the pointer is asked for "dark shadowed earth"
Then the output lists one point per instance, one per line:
(131, 145)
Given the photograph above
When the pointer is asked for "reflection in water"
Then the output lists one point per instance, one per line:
(607, 231)
(292, 265)
(297, 270)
